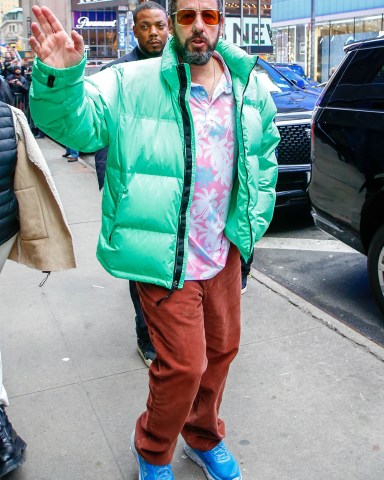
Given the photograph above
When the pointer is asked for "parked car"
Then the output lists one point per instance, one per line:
(295, 67)
(347, 184)
(293, 119)
(302, 82)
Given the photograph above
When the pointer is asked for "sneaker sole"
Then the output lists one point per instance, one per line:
(193, 456)
(147, 361)
(12, 464)
(135, 454)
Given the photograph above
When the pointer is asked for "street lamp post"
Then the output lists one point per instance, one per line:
(313, 44)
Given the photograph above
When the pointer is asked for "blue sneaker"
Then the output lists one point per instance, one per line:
(148, 471)
(218, 463)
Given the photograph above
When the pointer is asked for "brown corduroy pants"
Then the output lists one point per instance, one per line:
(196, 334)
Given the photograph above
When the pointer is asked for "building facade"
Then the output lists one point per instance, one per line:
(11, 28)
(62, 9)
(7, 5)
(106, 25)
(337, 23)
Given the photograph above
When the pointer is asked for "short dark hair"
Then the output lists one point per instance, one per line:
(173, 9)
(150, 5)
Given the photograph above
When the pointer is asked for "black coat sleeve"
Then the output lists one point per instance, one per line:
(101, 164)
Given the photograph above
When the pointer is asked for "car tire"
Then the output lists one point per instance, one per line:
(376, 267)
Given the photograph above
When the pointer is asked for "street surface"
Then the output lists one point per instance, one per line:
(320, 269)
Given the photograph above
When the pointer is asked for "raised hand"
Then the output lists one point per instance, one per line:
(51, 43)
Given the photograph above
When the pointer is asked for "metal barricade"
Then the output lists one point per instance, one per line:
(21, 101)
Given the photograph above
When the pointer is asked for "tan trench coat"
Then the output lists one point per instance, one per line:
(44, 241)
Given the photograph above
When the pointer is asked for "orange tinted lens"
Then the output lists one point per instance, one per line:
(210, 17)
(185, 17)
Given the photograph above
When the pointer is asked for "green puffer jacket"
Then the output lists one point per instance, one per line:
(141, 110)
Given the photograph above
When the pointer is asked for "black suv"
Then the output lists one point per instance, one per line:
(347, 183)
(293, 119)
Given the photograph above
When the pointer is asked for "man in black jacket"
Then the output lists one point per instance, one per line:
(151, 30)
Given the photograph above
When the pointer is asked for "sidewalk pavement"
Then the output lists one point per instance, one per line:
(304, 400)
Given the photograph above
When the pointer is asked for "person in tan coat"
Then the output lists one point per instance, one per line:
(33, 231)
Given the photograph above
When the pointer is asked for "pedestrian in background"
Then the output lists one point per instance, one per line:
(151, 31)
(7, 65)
(71, 155)
(33, 232)
(190, 183)
(19, 87)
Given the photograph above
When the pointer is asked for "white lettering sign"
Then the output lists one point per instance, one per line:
(84, 22)
(251, 31)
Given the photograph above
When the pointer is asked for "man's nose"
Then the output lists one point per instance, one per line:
(153, 31)
(198, 24)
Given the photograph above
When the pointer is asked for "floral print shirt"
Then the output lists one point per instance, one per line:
(215, 130)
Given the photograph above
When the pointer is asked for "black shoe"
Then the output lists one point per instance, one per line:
(12, 447)
(146, 351)
(244, 284)
(65, 155)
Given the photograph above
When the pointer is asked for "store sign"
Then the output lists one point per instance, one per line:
(99, 19)
(122, 30)
(251, 31)
(84, 22)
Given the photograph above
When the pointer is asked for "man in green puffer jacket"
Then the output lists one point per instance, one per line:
(189, 184)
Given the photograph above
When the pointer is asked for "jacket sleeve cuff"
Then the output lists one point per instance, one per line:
(57, 77)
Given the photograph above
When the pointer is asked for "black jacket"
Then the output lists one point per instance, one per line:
(5, 92)
(101, 155)
(9, 221)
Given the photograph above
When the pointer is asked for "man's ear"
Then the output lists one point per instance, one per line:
(222, 26)
(170, 26)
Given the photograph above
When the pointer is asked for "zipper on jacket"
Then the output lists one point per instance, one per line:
(182, 225)
(48, 273)
(173, 288)
(187, 130)
(246, 170)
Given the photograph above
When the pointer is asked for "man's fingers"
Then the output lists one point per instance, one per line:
(47, 20)
(52, 20)
(78, 41)
(34, 45)
(37, 33)
(40, 17)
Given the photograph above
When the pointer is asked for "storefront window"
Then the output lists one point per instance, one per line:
(292, 43)
(332, 37)
(99, 30)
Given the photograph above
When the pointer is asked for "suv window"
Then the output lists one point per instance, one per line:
(362, 84)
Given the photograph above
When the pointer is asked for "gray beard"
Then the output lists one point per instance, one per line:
(196, 58)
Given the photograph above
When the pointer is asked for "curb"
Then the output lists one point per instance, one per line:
(328, 320)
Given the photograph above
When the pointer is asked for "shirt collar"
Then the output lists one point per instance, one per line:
(225, 83)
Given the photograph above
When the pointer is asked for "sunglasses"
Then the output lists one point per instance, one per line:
(188, 15)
